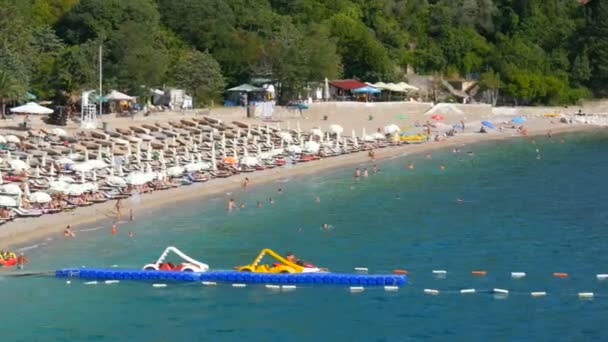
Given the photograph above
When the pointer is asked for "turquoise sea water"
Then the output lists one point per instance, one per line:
(517, 213)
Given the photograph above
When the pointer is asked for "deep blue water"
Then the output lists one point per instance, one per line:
(517, 213)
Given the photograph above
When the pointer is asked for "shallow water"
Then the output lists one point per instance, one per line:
(515, 213)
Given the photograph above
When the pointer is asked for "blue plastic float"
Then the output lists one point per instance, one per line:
(235, 277)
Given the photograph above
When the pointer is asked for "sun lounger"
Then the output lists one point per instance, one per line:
(21, 212)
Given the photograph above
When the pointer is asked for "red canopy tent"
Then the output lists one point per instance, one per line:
(342, 88)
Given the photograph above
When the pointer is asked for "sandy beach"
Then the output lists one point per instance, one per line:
(28, 230)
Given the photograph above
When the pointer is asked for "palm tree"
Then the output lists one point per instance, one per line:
(10, 90)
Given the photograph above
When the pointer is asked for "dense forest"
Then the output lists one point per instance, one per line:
(530, 51)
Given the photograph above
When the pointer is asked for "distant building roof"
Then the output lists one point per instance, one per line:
(347, 84)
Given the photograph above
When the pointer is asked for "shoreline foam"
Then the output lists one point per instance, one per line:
(31, 230)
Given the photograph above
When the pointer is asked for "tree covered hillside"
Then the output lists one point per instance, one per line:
(532, 51)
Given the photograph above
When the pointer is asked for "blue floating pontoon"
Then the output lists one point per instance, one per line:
(235, 277)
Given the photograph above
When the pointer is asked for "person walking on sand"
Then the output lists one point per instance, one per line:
(131, 217)
(118, 206)
(372, 155)
(462, 125)
(245, 182)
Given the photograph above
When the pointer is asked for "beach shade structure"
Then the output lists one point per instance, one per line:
(18, 165)
(6, 201)
(518, 119)
(40, 197)
(336, 129)
(12, 139)
(58, 132)
(192, 167)
(366, 90)
(391, 129)
(10, 189)
(2, 139)
(437, 117)
(138, 178)
(317, 132)
(58, 186)
(115, 95)
(32, 108)
(487, 124)
(175, 171)
(82, 167)
(378, 136)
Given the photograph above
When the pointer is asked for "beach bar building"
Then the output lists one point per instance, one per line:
(342, 90)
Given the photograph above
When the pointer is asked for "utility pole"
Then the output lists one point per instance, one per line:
(100, 79)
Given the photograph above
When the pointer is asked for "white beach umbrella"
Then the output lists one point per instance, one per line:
(6, 201)
(74, 190)
(1, 179)
(294, 149)
(2, 139)
(116, 181)
(58, 132)
(286, 136)
(31, 108)
(13, 139)
(11, 189)
(18, 165)
(175, 171)
(40, 197)
(379, 136)
(317, 132)
(311, 147)
(82, 167)
(392, 128)
(192, 167)
(249, 161)
(137, 178)
(336, 129)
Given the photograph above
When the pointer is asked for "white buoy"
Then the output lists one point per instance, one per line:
(91, 283)
(159, 285)
(602, 276)
(501, 291)
(209, 283)
(114, 266)
(356, 289)
(239, 285)
(361, 269)
(431, 291)
(585, 295)
(518, 275)
(273, 287)
(467, 291)
(288, 287)
(391, 288)
(112, 282)
(538, 294)
(68, 282)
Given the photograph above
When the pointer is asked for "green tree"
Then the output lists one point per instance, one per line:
(581, 68)
(597, 44)
(199, 74)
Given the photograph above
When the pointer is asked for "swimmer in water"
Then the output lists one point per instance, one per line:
(357, 173)
(398, 196)
(318, 199)
(245, 182)
(428, 156)
(365, 173)
(538, 157)
(410, 166)
(325, 226)
(114, 230)
(442, 167)
(375, 168)
(230, 205)
(258, 205)
(21, 261)
(131, 234)
(270, 200)
(242, 206)
(280, 191)
(67, 232)
(459, 200)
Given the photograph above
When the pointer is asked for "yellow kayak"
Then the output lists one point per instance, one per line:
(413, 138)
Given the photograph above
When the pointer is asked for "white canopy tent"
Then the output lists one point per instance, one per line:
(115, 95)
